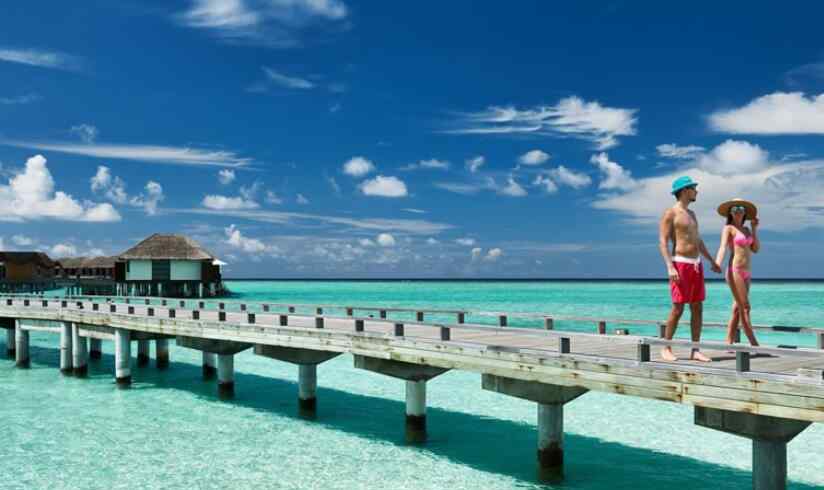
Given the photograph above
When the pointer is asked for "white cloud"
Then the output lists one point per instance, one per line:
(474, 164)
(572, 117)
(358, 167)
(493, 254)
(43, 59)
(366, 242)
(30, 195)
(272, 198)
(149, 199)
(412, 226)
(475, 253)
(614, 176)
(333, 184)
(86, 132)
(20, 99)
(245, 244)
(432, 163)
(549, 186)
(287, 81)
(22, 240)
(671, 150)
(301, 199)
(62, 250)
(431, 241)
(570, 178)
(777, 113)
(249, 193)
(512, 189)
(226, 176)
(731, 157)
(466, 242)
(114, 188)
(788, 196)
(459, 188)
(140, 153)
(386, 240)
(533, 157)
(414, 210)
(218, 202)
(384, 187)
(271, 23)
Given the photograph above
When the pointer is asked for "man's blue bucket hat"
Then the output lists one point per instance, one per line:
(682, 183)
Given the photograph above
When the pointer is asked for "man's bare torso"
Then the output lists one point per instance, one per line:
(685, 238)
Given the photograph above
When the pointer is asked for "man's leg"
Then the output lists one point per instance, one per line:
(672, 324)
(696, 322)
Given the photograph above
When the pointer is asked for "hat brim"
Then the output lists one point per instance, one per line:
(685, 186)
(724, 208)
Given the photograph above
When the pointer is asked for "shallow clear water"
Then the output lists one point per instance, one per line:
(171, 431)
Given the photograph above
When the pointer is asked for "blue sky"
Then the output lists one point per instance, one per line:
(318, 138)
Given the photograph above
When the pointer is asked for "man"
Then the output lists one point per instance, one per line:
(684, 268)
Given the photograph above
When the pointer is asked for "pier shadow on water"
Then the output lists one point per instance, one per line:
(487, 444)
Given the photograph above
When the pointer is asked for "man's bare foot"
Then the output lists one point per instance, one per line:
(698, 356)
(667, 355)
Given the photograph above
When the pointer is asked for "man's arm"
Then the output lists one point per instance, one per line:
(664, 234)
(706, 253)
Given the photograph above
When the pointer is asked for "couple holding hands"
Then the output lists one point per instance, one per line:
(679, 225)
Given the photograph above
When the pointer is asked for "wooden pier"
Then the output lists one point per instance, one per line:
(767, 394)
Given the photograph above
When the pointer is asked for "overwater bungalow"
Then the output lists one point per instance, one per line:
(26, 271)
(168, 265)
(86, 268)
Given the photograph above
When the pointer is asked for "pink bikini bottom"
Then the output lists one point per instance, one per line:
(742, 273)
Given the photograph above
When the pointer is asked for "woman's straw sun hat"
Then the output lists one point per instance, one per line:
(724, 208)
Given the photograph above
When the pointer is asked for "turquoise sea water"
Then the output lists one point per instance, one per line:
(171, 431)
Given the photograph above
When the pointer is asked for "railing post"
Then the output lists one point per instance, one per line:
(742, 361)
(359, 325)
(221, 316)
(446, 333)
(549, 324)
(399, 330)
(602, 328)
(319, 322)
(501, 320)
(419, 316)
(564, 345)
(820, 340)
(349, 312)
(461, 317)
(643, 352)
(382, 313)
(251, 318)
(284, 320)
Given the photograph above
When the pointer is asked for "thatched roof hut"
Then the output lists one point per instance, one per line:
(167, 247)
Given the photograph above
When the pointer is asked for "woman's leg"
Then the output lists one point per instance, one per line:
(744, 286)
(732, 325)
(735, 317)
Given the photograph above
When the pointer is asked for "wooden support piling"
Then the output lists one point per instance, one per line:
(142, 353)
(415, 411)
(226, 375)
(95, 348)
(550, 441)
(307, 388)
(66, 348)
(80, 357)
(11, 342)
(162, 353)
(122, 357)
(209, 365)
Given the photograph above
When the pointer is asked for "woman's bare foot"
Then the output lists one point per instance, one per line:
(667, 355)
(698, 356)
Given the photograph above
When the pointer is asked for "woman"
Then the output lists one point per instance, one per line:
(743, 242)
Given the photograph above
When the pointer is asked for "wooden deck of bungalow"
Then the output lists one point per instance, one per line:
(767, 394)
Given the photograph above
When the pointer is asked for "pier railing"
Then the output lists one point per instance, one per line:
(557, 342)
(500, 318)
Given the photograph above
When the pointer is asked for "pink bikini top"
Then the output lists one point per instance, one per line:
(742, 240)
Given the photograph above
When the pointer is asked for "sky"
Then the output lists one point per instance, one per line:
(461, 139)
